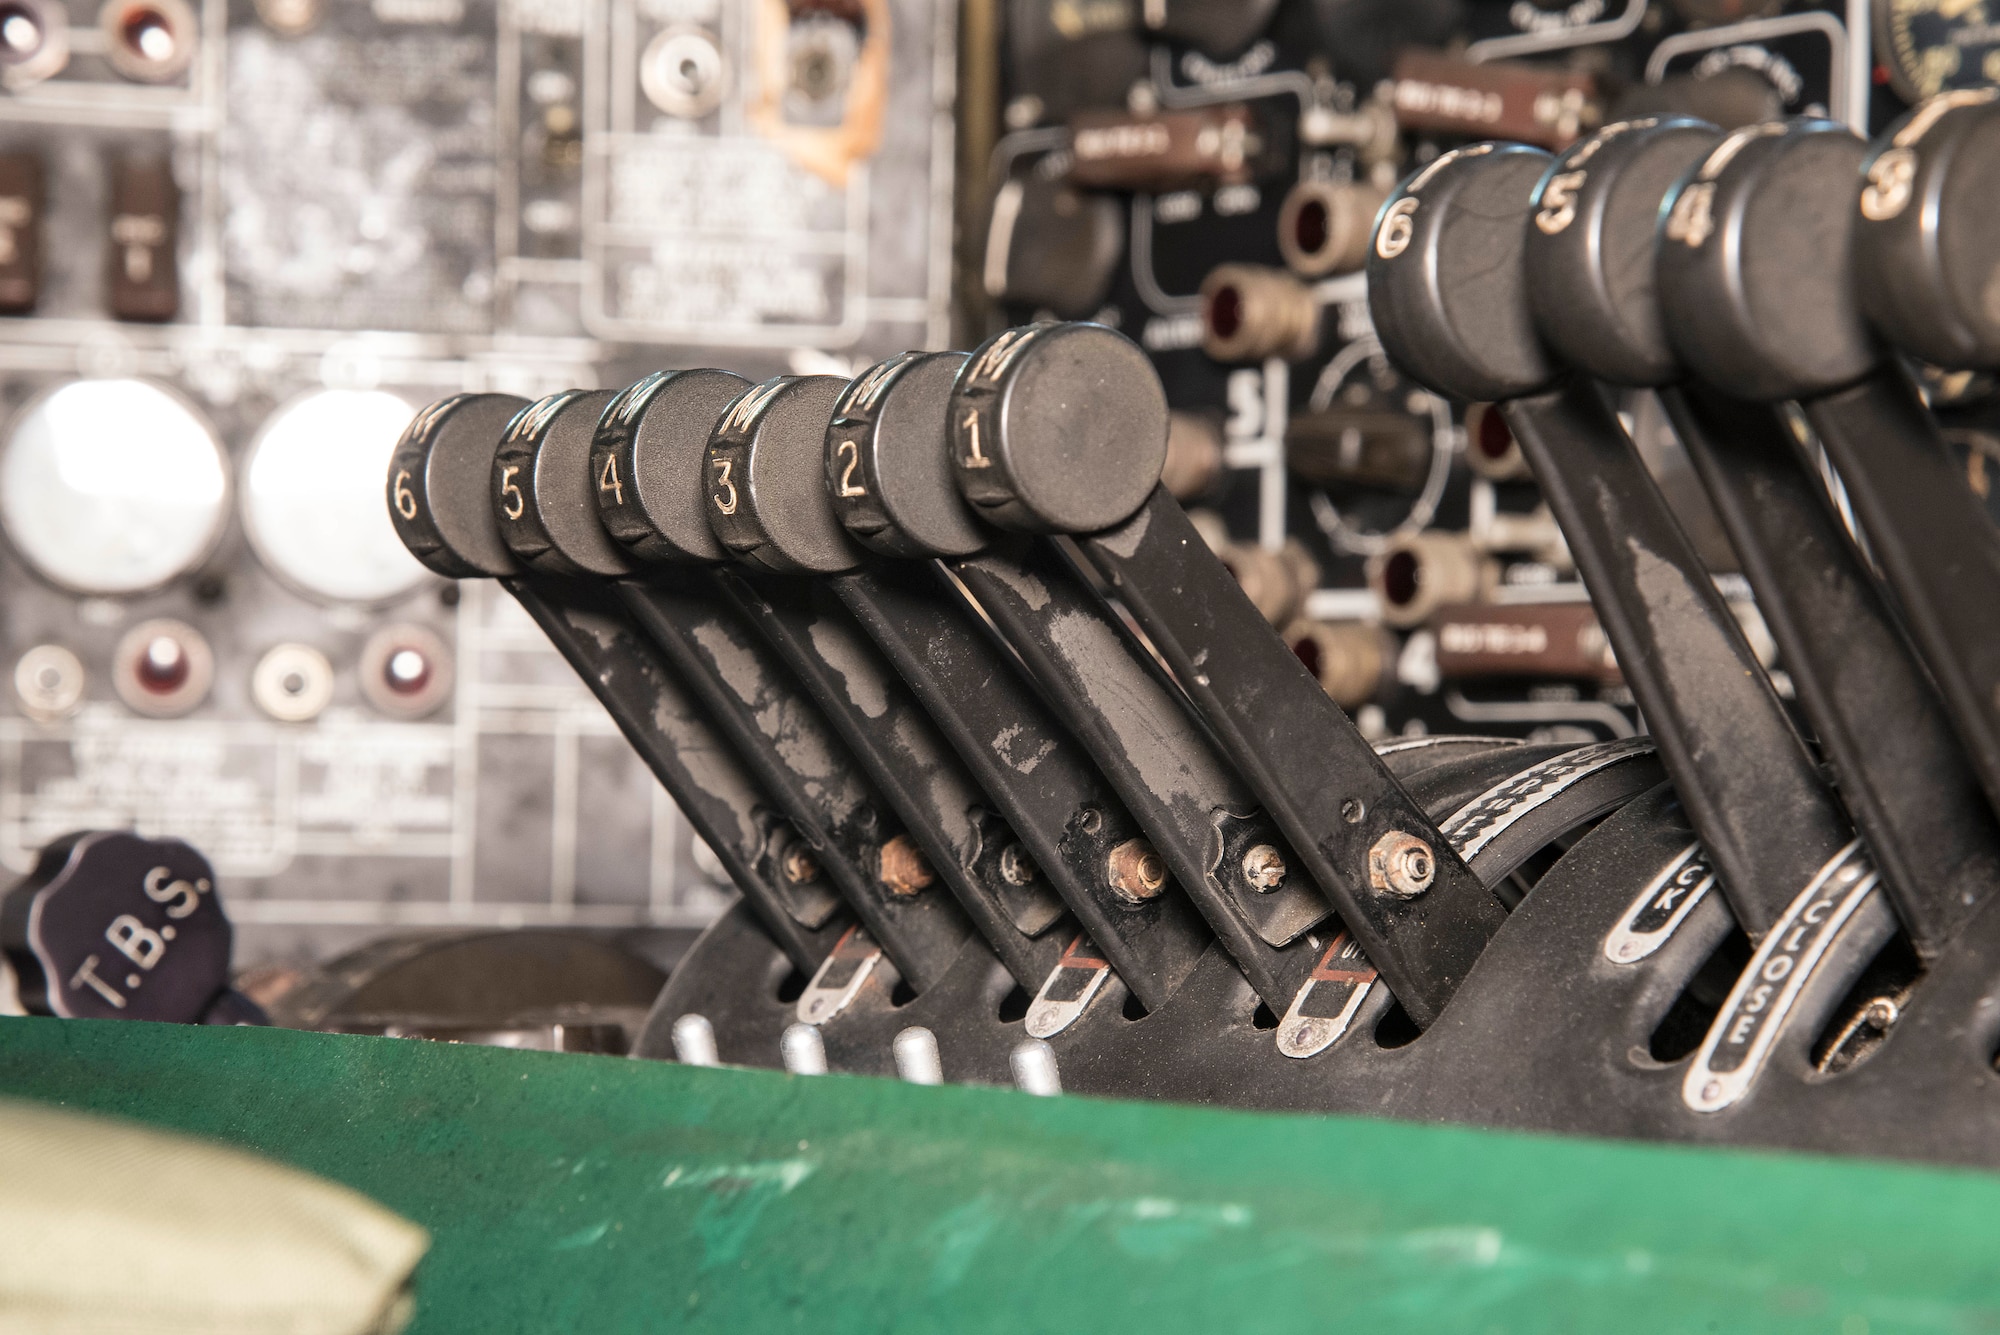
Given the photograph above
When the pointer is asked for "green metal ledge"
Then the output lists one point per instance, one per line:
(573, 1193)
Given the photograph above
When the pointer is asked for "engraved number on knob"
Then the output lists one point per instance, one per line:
(1693, 219)
(406, 500)
(607, 480)
(512, 503)
(1558, 209)
(977, 457)
(1394, 238)
(1890, 178)
(725, 498)
(850, 451)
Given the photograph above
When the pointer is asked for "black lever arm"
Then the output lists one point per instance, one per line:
(550, 520)
(438, 487)
(1449, 290)
(884, 442)
(1761, 301)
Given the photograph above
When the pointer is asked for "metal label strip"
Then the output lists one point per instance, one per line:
(1068, 990)
(1486, 817)
(1658, 910)
(1334, 992)
(840, 976)
(1748, 1026)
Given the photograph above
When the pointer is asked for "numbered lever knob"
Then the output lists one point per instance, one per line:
(647, 463)
(542, 488)
(1926, 247)
(1590, 250)
(887, 470)
(1446, 283)
(1022, 459)
(112, 926)
(764, 500)
(440, 493)
(1750, 266)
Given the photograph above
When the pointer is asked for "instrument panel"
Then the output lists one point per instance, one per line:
(243, 244)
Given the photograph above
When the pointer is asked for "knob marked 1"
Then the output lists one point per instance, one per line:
(1058, 428)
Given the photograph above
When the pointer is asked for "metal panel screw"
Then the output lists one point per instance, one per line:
(1401, 864)
(1136, 871)
(1016, 867)
(799, 865)
(1264, 868)
(904, 870)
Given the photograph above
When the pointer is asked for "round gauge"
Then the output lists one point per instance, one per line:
(312, 496)
(1932, 45)
(111, 487)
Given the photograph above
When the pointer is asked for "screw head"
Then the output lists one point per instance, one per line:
(1135, 871)
(1091, 821)
(1016, 867)
(799, 865)
(904, 870)
(1881, 1013)
(1402, 865)
(1352, 810)
(1264, 868)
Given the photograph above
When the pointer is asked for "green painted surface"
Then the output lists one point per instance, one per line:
(571, 1193)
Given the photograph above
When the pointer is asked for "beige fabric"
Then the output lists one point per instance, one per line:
(108, 1226)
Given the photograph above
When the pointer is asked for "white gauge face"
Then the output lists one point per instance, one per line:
(313, 490)
(112, 487)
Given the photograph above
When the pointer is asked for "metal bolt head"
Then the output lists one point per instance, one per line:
(1016, 867)
(1881, 1013)
(799, 865)
(1136, 871)
(904, 869)
(1091, 821)
(1402, 865)
(1264, 868)
(1352, 810)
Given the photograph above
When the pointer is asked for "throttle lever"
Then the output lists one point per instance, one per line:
(1449, 291)
(889, 423)
(771, 441)
(549, 519)
(439, 489)
(1061, 428)
(1760, 299)
(1591, 259)
(1448, 286)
